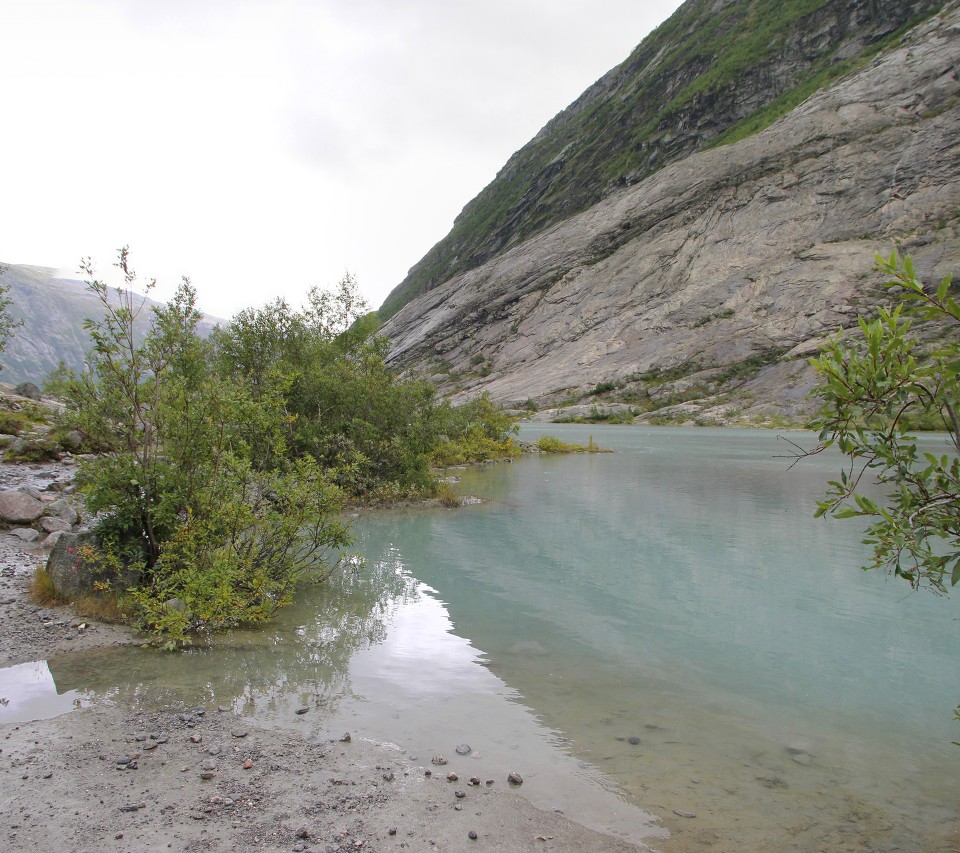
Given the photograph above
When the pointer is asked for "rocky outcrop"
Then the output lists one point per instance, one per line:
(17, 506)
(727, 267)
(714, 68)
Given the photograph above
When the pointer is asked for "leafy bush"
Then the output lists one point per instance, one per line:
(477, 431)
(199, 494)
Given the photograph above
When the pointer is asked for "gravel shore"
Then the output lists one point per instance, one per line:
(116, 777)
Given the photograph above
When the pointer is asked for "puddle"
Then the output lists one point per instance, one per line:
(28, 692)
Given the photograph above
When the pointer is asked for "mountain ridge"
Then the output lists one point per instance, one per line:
(709, 67)
(52, 310)
(717, 274)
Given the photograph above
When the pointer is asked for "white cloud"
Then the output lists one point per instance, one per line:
(263, 147)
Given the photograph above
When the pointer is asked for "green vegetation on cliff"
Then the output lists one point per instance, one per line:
(714, 72)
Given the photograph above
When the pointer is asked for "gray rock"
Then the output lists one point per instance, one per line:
(73, 439)
(19, 507)
(53, 538)
(53, 525)
(65, 510)
(74, 574)
(25, 534)
(28, 389)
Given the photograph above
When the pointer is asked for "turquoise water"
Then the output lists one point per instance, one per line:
(662, 629)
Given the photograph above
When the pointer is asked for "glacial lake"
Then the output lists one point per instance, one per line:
(665, 629)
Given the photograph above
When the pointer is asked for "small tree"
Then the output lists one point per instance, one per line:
(7, 322)
(877, 389)
(197, 492)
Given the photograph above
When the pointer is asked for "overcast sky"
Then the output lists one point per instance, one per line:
(266, 146)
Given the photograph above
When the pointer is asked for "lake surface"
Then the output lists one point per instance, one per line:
(662, 629)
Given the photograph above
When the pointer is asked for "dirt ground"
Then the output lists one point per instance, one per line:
(118, 778)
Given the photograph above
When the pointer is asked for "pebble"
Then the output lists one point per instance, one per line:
(345, 738)
(195, 738)
(472, 835)
(302, 710)
(514, 778)
(464, 749)
(248, 763)
(438, 759)
(207, 774)
(459, 794)
(474, 780)
(239, 733)
(392, 831)
(214, 750)
(633, 741)
(452, 777)
(388, 776)
(682, 813)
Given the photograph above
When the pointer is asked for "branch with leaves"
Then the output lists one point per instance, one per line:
(877, 389)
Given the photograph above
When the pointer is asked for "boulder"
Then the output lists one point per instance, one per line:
(19, 507)
(76, 569)
(52, 539)
(25, 534)
(28, 389)
(65, 510)
(52, 525)
(73, 439)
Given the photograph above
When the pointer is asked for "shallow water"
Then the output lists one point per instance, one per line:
(666, 627)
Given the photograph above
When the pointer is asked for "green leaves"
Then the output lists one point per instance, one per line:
(199, 490)
(875, 388)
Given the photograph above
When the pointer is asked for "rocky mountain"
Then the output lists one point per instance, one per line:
(52, 310)
(688, 273)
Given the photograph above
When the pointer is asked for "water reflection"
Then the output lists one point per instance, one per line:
(28, 691)
(671, 616)
(302, 659)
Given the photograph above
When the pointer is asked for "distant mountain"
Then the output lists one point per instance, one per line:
(52, 310)
(676, 242)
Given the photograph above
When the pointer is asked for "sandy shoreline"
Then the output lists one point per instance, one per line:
(116, 777)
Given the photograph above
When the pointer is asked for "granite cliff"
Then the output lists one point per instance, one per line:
(695, 288)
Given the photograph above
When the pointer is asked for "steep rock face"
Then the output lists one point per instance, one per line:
(715, 68)
(734, 256)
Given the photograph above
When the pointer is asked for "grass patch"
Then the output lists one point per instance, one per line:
(35, 450)
(445, 495)
(13, 423)
(552, 444)
(43, 591)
